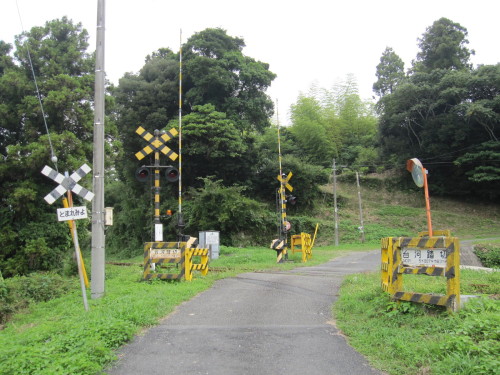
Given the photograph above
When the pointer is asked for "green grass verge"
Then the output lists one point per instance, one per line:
(60, 337)
(405, 338)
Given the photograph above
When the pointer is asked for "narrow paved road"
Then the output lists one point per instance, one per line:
(255, 324)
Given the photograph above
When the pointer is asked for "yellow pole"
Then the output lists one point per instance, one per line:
(71, 224)
(314, 238)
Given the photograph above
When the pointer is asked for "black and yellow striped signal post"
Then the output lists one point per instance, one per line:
(157, 145)
(281, 244)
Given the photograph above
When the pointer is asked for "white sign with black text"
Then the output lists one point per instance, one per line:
(71, 213)
(424, 257)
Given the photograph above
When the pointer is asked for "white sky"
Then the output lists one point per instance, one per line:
(314, 41)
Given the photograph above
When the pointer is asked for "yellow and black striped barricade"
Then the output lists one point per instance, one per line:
(390, 280)
(170, 255)
(431, 256)
(302, 243)
(190, 266)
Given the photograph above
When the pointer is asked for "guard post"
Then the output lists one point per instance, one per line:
(438, 255)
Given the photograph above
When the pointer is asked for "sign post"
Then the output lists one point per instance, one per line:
(82, 273)
(419, 175)
(68, 184)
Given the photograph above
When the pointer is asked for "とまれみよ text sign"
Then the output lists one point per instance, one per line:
(71, 213)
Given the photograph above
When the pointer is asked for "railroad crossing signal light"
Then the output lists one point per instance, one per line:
(291, 199)
(142, 174)
(172, 174)
(169, 213)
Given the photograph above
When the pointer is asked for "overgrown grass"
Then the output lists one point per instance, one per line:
(59, 337)
(406, 338)
(488, 253)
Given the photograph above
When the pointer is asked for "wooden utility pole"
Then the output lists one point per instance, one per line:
(362, 227)
(335, 211)
(98, 239)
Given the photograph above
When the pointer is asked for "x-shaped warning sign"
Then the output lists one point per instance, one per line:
(157, 143)
(67, 183)
(284, 180)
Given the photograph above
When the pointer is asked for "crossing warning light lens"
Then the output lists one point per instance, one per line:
(291, 199)
(169, 212)
(142, 174)
(171, 174)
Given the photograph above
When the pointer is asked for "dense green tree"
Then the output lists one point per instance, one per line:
(334, 123)
(32, 239)
(446, 114)
(217, 72)
(390, 73)
(212, 146)
(443, 46)
(312, 132)
(239, 218)
(5, 59)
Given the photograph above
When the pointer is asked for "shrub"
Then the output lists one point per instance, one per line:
(18, 292)
(489, 254)
(226, 209)
(5, 305)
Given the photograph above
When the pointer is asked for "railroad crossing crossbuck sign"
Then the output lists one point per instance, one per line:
(157, 144)
(67, 183)
(284, 181)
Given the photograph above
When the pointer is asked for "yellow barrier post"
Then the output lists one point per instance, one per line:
(453, 275)
(70, 224)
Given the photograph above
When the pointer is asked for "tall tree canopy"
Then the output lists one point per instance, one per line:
(390, 73)
(218, 73)
(446, 113)
(443, 46)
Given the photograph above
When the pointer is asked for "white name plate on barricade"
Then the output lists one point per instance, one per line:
(424, 257)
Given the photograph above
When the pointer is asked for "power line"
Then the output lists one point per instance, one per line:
(53, 156)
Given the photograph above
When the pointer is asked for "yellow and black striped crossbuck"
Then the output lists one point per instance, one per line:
(285, 181)
(157, 143)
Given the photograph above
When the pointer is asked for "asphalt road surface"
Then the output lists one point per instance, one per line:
(276, 323)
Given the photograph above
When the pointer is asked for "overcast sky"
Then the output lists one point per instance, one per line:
(306, 42)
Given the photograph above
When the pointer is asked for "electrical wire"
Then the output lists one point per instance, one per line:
(53, 156)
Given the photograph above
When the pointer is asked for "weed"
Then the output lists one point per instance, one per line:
(406, 338)
(489, 254)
